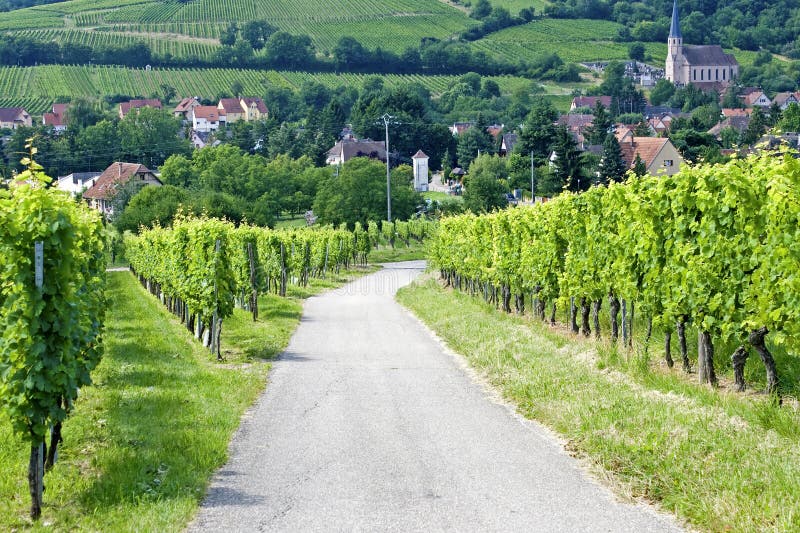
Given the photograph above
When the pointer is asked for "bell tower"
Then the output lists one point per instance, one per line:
(674, 70)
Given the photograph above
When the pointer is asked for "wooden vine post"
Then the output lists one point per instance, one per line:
(253, 285)
(36, 464)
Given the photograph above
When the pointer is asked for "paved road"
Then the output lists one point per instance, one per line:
(367, 424)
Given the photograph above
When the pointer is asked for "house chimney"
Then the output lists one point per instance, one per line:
(119, 168)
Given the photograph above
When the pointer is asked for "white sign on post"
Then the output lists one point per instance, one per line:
(38, 260)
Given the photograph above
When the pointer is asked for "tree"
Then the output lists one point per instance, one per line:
(178, 171)
(349, 53)
(151, 205)
(485, 189)
(662, 92)
(470, 144)
(291, 51)
(83, 112)
(612, 166)
(100, 144)
(481, 9)
(168, 92)
(567, 164)
(639, 168)
(150, 136)
(228, 36)
(257, 32)
(756, 127)
(790, 120)
(636, 51)
(237, 88)
(242, 51)
(358, 194)
(601, 124)
(538, 132)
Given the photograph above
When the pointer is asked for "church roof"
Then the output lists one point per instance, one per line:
(675, 27)
(419, 155)
(708, 55)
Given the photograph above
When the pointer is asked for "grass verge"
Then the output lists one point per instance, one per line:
(387, 254)
(144, 440)
(719, 460)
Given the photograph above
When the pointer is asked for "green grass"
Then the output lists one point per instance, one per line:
(143, 441)
(387, 254)
(291, 222)
(720, 460)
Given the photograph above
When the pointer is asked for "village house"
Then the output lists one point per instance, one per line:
(184, 108)
(736, 122)
(14, 117)
(232, 108)
(757, 98)
(346, 150)
(247, 109)
(77, 182)
(658, 154)
(576, 125)
(100, 196)
(707, 67)
(57, 118)
(254, 109)
(207, 118)
(784, 100)
(460, 127)
(126, 107)
(580, 102)
(507, 144)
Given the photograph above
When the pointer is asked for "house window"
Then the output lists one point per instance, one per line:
(717, 74)
(668, 162)
(723, 74)
(709, 74)
(702, 72)
(694, 74)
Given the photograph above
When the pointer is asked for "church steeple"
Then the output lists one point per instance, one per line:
(675, 27)
(675, 59)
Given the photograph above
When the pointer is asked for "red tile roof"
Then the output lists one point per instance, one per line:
(116, 174)
(185, 105)
(647, 148)
(10, 114)
(208, 112)
(231, 105)
(260, 105)
(125, 107)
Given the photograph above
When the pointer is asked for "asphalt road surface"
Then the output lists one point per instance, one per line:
(368, 424)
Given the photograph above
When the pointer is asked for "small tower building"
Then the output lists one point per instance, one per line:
(420, 171)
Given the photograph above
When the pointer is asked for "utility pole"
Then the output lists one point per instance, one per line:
(386, 117)
(533, 181)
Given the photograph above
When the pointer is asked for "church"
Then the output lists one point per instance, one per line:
(707, 67)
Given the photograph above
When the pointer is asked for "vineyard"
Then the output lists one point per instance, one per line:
(574, 41)
(52, 304)
(201, 268)
(713, 248)
(39, 87)
(391, 24)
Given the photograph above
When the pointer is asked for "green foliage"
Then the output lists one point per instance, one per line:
(51, 337)
(713, 245)
(484, 190)
(358, 194)
(662, 92)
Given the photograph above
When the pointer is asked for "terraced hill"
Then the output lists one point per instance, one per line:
(36, 88)
(194, 27)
